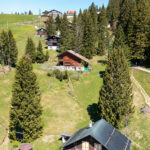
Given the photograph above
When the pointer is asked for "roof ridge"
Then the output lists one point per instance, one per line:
(127, 144)
(110, 137)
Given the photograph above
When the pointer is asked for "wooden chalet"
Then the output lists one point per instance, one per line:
(53, 13)
(71, 58)
(41, 32)
(53, 42)
(100, 136)
(70, 14)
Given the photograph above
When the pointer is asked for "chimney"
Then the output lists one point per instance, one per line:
(90, 124)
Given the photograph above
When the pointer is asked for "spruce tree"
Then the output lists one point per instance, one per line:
(140, 32)
(121, 41)
(74, 33)
(113, 12)
(31, 50)
(40, 58)
(102, 31)
(12, 49)
(88, 42)
(58, 22)
(125, 14)
(47, 56)
(93, 12)
(5, 51)
(79, 32)
(25, 112)
(65, 40)
(115, 101)
(50, 27)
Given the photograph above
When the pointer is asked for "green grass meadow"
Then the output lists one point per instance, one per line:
(143, 78)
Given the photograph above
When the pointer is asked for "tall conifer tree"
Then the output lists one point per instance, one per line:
(58, 22)
(102, 31)
(50, 27)
(5, 52)
(25, 112)
(121, 41)
(124, 14)
(65, 40)
(88, 43)
(140, 31)
(115, 101)
(79, 32)
(40, 57)
(93, 11)
(74, 34)
(12, 49)
(31, 50)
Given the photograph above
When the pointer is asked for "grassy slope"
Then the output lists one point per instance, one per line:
(14, 19)
(61, 112)
(143, 78)
(138, 129)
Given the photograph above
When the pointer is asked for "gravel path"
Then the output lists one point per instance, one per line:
(141, 68)
(146, 96)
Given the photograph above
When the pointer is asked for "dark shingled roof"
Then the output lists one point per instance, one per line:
(41, 29)
(105, 134)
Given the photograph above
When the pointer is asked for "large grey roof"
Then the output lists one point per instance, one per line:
(105, 134)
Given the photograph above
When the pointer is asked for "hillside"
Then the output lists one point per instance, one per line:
(65, 104)
(12, 20)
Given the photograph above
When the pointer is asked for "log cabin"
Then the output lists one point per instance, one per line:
(53, 43)
(98, 136)
(53, 13)
(71, 58)
(41, 32)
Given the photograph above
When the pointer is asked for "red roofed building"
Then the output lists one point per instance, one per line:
(70, 14)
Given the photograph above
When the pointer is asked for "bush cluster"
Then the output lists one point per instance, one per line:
(59, 75)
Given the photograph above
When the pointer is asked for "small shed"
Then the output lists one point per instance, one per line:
(65, 136)
(26, 146)
(41, 32)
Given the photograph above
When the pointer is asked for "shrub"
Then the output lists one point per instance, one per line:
(58, 74)
(66, 76)
(49, 74)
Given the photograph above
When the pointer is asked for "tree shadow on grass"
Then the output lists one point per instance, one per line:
(104, 62)
(93, 112)
(101, 73)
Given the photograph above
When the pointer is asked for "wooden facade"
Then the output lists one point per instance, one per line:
(87, 143)
(41, 32)
(98, 136)
(53, 43)
(70, 58)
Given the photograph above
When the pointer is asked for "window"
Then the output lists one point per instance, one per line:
(67, 63)
(97, 146)
(85, 145)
